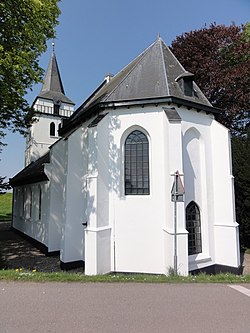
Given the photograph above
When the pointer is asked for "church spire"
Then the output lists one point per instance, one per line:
(52, 84)
(52, 80)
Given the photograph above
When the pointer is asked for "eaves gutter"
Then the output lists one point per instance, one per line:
(28, 179)
(100, 106)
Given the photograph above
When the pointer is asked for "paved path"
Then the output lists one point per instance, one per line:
(132, 307)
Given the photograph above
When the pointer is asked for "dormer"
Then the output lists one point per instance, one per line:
(185, 81)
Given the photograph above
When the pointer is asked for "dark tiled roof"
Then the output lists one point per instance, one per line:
(33, 173)
(153, 75)
(52, 85)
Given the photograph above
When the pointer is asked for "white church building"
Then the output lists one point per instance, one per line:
(97, 182)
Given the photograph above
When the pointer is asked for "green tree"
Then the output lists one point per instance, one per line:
(219, 56)
(4, 186)
(247, 31)
(25, 26)
(241, 163)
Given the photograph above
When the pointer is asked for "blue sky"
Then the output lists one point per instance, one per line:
(98, 37)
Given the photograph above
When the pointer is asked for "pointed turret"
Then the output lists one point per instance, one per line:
(52, 88)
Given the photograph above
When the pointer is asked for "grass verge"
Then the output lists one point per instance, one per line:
(5, 206)
(20, 275)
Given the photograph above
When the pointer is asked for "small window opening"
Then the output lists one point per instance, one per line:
(185, 81)
(188, 87)
(40, 204)
(52, 130)
(56, 109)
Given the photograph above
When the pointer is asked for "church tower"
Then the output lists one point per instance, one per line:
(52, 107)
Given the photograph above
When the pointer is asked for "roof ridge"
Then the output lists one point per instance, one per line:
(164, 65)
(177, 60)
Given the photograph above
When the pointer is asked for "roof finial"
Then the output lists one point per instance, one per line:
(53, 45)
(158, 36)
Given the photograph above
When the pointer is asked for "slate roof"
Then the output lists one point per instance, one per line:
(153, 75)
(52, 85)
(33, 173)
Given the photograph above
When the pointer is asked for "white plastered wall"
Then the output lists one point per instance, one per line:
(135, 233)
(198, 178)
(25, 217)
(98, 231)
(139, 222)
(74, 201)
(56, 173)
(226, 231)
(174, 162)
(205, 137)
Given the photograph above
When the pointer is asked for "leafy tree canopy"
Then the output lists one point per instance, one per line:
(247, 31)
(4, 186)
(219, 56)
(241, 163)
(25, 26)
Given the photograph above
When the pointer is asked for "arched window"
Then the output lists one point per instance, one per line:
(136, 164)
(52, 129)
(193, 225)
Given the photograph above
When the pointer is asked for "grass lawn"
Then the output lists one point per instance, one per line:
(5, 206)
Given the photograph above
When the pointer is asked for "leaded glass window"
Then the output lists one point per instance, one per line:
(136, 164)
(193, 225)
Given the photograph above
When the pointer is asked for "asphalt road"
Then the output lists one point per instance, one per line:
(132, 307)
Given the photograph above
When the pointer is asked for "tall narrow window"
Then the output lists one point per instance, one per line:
(52, 129)
(39, 202)
(21, 200)
(28, 203)
(136, 164)
(31, 202)
(193, 225)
